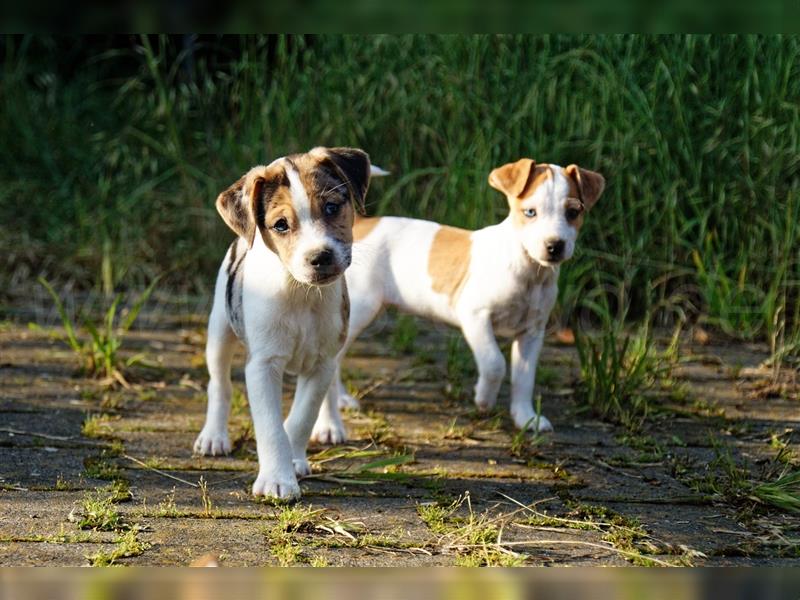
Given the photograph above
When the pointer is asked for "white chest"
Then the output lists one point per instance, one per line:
(297, 324)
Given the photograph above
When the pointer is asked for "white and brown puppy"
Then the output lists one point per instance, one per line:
(280, 291)
(497, 281)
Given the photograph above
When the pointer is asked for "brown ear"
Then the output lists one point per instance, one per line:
(238, 205)
(590, 184)
(236, 211)
(353, 167)
(512, 178)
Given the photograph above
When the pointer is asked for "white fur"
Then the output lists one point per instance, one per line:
(509, 291)
(288, 326)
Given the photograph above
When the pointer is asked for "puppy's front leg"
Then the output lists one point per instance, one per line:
(276, 476)
(524, 358)
(477, 329)
(311, 388)
(213, 439)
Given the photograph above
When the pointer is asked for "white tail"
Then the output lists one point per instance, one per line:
(376, 171)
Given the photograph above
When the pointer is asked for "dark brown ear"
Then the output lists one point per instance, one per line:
(353, 166)
(590, 184)
(236, 211)
(512, 178)
(238, 205)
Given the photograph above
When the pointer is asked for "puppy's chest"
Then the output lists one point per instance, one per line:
(278, 317)
(525, 308)
(309, 336)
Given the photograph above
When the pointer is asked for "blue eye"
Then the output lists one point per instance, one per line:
(330, 209)
(529, 212)
(281, 226)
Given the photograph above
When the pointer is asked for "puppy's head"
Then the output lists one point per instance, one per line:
(303, 207)
(547, 204)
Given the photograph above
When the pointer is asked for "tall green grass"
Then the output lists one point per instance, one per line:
(696, 135)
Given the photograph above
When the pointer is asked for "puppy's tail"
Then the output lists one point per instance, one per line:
(376, 171)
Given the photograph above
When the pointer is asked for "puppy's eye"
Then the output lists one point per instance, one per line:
(529, 212)
(281, 226)
(330, 209)
(573, 213)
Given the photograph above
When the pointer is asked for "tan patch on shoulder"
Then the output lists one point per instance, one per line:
(363, 226)
(449, 259)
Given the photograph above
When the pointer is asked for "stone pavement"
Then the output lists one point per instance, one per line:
(93, 475)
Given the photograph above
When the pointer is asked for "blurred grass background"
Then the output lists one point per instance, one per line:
(115, 148)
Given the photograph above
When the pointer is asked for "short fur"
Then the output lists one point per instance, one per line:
(500, 280)
(280, 292)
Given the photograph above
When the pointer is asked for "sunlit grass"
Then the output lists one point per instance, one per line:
(696, 135)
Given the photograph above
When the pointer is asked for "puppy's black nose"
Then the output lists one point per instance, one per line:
(323, 258)
(555, 248)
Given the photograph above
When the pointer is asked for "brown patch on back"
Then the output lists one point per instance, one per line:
(449, 259)
(363, 226)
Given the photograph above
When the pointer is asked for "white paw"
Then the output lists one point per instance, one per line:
(483, 401)
(212, 442)
(327, 431)
(485, 395)
(347, 401)
(484, 404)
(282, 488)
(301, 467)
(528, 420)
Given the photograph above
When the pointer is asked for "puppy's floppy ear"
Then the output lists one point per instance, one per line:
(239, 204)
(353, 166)
(513, 178)
(590, 184)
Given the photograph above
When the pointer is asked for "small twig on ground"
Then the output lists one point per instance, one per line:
(381, 382)
(615, 469)
(47, 436)
(159, 471)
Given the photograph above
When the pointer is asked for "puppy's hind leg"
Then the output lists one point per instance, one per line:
(311, 388)
(213, 439)
(329, 428)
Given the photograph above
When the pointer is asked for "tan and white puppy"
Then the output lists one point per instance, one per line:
(497, 281)
(281, 293)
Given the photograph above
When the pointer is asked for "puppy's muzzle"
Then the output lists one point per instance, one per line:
(322, 259)
(555, 249)
(325, 266)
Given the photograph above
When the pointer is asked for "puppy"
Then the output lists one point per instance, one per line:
(500, 280)
(280, 291)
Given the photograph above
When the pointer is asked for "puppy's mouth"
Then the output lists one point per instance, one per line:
(546, 262)
(325, 275)
(325, 278)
